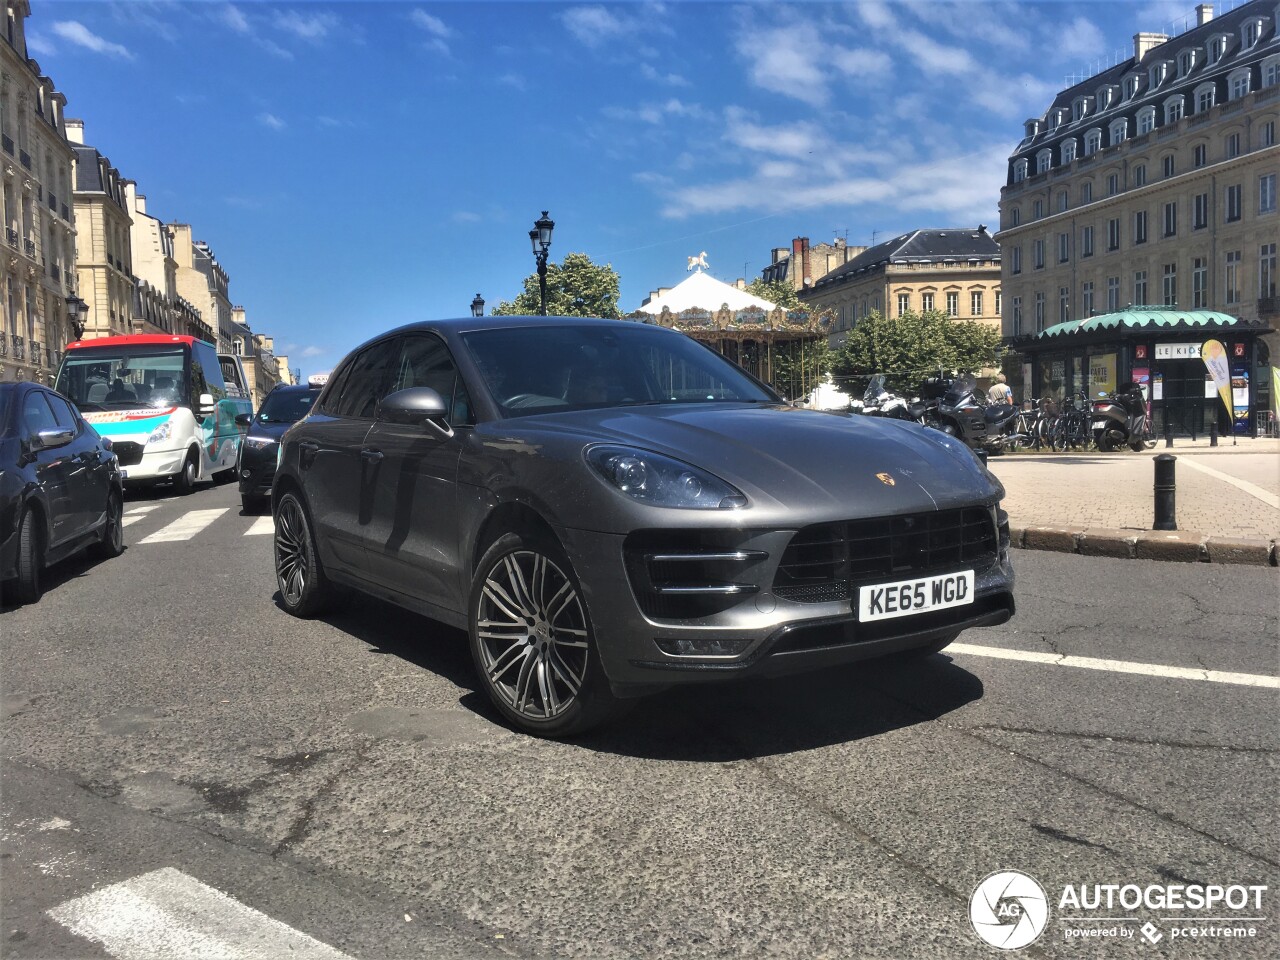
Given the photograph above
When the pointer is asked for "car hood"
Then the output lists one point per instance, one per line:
(792, 458)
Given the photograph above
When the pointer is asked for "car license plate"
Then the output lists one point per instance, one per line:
(882, 601)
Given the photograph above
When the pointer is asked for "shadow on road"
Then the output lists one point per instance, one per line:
(704, 722)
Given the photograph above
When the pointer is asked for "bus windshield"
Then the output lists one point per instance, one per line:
(113, 378)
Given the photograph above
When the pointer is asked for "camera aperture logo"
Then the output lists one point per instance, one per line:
(1009, 910)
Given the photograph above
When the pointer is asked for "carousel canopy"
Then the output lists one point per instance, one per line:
(705, 292)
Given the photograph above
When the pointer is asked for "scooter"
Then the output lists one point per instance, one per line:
(878, 401)
(963, 413)
(1120, 418)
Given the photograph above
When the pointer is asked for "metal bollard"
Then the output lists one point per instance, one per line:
(1165, 493)
(1168, 433)
(1213, 434)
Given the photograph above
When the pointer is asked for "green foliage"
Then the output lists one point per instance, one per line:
(910, 347)
(576, 287)
(775, 291)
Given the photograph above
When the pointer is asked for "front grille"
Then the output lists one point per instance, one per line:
(690, 574)
(127, 452)
(823, 562)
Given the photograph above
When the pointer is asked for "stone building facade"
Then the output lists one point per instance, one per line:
(1152, 184)
(804, 264)
(158, 307)
(37, 259)
(104, 258)
(203, 282)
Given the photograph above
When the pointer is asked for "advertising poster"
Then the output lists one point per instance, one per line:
(1240, 398)
(1102, 374)
(1214, 355)
(1157, 387)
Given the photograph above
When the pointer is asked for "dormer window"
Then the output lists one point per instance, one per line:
(1146, 120)
(1271, 71)
(1238, 83)
(1119, 131)
(1251, 32)
(1092, 142)
(1205, 95)
(1044, 160)
(1173, 109)
(1019, 170)
(1068, 150)
(1157, 73)
(1078, 108)
(1130, 87)
(1217, 48)
(1107, 97)
(1032, 127)
(1187, 62)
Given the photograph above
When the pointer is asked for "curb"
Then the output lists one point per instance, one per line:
(1178, 546)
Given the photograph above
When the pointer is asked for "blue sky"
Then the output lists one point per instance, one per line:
(356, 166)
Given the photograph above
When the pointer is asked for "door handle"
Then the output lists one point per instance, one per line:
(371, 456)
(308, 446)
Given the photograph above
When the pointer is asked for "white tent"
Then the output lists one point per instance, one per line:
(707, 293)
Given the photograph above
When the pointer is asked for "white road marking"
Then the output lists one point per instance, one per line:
(142, 508)
(186, 526)
(169, 914)
(1252, 489)
(263, 525)
(1117, 666)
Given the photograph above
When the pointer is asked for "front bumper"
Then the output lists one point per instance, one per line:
(257, 469)
(156, 465)
(756, 633)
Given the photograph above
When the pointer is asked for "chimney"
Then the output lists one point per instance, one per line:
(140, 202)
(808, 273)
(1204, 13)
(1144, 43)
(75, 131)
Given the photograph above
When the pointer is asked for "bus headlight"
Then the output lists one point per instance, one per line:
(162, 432)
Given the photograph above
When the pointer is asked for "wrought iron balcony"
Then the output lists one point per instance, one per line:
(53, 203)
(4, 345)
(55, 273)
(13, 239)
(25, 158)
(37, 355)
(7, 141)
(19, 351)
(29, 247)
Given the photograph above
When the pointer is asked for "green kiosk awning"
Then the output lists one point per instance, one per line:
(1144, 318)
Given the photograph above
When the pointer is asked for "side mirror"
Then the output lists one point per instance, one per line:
(416, 406)
(52, 439)
(244, 420)
(206, 404)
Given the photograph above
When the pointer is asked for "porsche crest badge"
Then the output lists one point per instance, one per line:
(885, 478)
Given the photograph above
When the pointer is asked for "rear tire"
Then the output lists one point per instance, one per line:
(112, 542)
(304, 589)
(26, 586)
(532, 642)
(184, 480)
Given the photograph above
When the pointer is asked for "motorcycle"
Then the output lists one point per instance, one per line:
(878, 401)
(963, 412)
(1120, 418)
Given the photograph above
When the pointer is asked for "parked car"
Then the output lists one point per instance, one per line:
(284, 406)
(609, 508)
(60, 488)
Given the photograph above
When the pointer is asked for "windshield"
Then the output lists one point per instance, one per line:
(541, 369)
(286, 406)
(113, 378)
(874, 388)
(957, 390)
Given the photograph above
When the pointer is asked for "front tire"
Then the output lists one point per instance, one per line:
(532, 642)
(112, 542)
(304, 589)
(185, 479)
(27, 587)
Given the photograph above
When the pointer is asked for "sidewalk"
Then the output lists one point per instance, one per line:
(1104, 502)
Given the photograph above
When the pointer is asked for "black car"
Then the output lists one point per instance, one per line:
(60, 488)
(609, 508)
(284, 406)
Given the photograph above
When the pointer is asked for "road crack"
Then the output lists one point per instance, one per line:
(1102, 737)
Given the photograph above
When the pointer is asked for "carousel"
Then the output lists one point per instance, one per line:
(776, 345)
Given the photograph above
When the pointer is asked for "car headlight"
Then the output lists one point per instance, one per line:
(662, 481)
(162, 432)
(258, 443)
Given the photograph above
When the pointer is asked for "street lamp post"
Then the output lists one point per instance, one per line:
(540, 237)
(75, 313)
(477, 306)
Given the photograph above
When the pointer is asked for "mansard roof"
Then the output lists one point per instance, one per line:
(919, 246)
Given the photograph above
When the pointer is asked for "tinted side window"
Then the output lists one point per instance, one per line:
(206, 360)
(333, 390)
(425, 361)
(366, 384)
(36, 415)
(63, 413)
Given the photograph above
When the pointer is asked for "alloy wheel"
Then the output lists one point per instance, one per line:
(291, 551)
(532, 632)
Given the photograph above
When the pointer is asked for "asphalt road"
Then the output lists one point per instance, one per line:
(163, 719)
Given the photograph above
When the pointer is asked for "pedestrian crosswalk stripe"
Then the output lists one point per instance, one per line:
(142, 508)
(186, 526)
(166, 913)
(262, 525)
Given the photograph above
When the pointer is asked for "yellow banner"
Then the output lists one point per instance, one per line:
(1214, 355)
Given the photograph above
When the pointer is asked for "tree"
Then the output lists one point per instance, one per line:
(798, 366)
(576, 287)
(912, 346)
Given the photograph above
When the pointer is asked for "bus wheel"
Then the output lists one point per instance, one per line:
(185, 479)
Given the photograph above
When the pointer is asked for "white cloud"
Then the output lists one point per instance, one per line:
(513, 80)
(466, 216)
(433, 25)
(231, 16)
(77, 33)
(795, 140)
(39, 46)
(785, 60)
(271, 121)
(309, 353)
(594, 26)
(313, 28)
(670, 79)
(1080, 38)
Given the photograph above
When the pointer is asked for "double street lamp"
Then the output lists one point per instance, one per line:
(477, 306)
(75, 312)
(540, 237)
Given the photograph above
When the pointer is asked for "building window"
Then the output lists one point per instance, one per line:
(1068, 150)
(1140, 227)
(1017, 316)
(1086, 242)
(999, 296)
(1205, 95)
(1199, 284)
(1086, 192)
(1173, 110)
(1238, 83)
(1233, 146)
(1232, 279)
(1019, 170)
(1267, 271)
(1130, 87)
(1267, 193)
(975, 303)
(904, 303)
(1251, 31)
(1200, 155)
(1064, 247)
(926, 302)
(1039, 313)
(1233, 203)
(1271, 71)
(953, 304)
(1113, 184)
(1140, 175)
(1146, 120)
(1171, 218)
(1015, 216)
(1015, 260)
(1140, 287)
(1092, 142)
(1063, 202)
(1167, 166)
(1201, 219)
(1064, 304)
(1170, 284)
(1119, 131)
(1038, 251)
(1157, 74)
(1038, 210)
(1077, 109)
(1217, 47)
(1044, 160)
(1267, 134)
(1113, 234)
(1113, 294)
(1086, 299)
